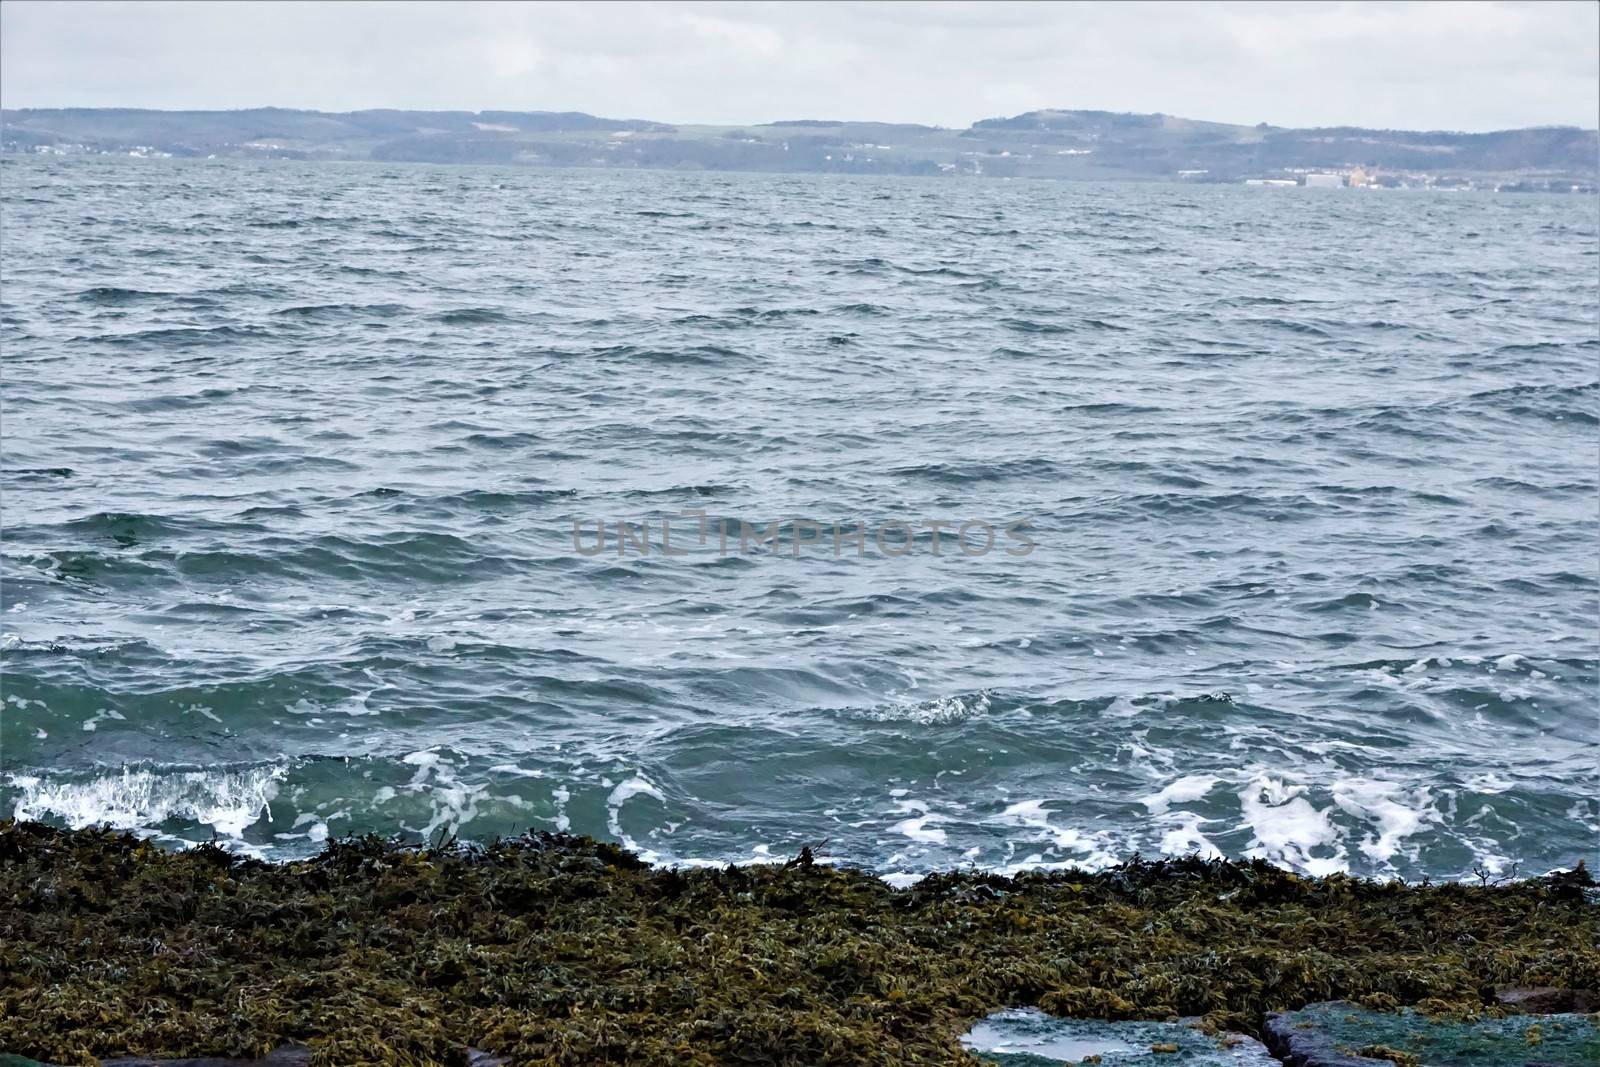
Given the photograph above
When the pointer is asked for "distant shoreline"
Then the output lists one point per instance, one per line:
(1071, 144)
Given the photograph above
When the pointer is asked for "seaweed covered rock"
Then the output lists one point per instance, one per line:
(550, 949)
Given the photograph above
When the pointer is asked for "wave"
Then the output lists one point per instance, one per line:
(114, 296)
(179, 337)
(227, 801)
(1034, 326)
(1347, 822)
(696, 355)
(338, 312)
(472, 316)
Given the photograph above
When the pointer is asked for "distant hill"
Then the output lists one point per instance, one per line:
(1164, 143)
(1099, 145)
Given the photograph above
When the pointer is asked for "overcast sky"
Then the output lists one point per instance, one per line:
(1469, 66)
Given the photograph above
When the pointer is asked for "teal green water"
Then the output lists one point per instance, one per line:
(293, 456)
(1027, 1037)
(1564, 1040)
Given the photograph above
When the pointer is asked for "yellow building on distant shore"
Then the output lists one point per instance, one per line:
(1359, 178)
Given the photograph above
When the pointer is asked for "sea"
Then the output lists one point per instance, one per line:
(927, 523)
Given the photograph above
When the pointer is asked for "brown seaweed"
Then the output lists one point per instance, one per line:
(551, 949)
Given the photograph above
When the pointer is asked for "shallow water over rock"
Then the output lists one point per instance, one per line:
(1026, 1037)
(1340, 1034)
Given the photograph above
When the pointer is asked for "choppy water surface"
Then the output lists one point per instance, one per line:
(292, 456)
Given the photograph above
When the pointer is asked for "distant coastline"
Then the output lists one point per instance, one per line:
(1059, 144)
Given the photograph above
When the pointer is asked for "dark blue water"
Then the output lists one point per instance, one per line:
(293, 456)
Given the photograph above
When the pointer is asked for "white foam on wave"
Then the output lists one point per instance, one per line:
(1185, 790)
(1093, 848)
(1289, 829)
(1183, 836)
(1286, 828)
(901, 879)
(1586, 813)
(135, 799)
(1486, 852)
(638, 785)
(1182, 833)
(561, 795)
(1122, 707)
(452, 802)
(921, 826)
(424, 759)
(928, 712)
(102, 715)
(1397, 810)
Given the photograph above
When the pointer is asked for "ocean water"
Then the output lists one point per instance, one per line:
(1292, 492)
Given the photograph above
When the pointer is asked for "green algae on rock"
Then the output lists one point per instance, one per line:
(1338, 1033)
(550, 949)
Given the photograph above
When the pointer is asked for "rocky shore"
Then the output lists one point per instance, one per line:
(550, 949)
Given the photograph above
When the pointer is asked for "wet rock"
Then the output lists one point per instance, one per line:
(287, 1056)
(1571, 884)
(1341, 1034)
(1026, 1037)
(1549, 1000)
(1299, 1043)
